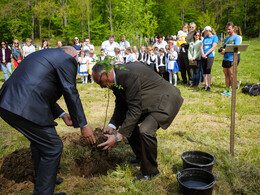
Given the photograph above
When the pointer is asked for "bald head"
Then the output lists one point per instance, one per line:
(70, 51)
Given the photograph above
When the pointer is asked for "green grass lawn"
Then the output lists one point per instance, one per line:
(203, 123)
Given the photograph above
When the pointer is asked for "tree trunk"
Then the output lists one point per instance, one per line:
(33, 20)
(245, 14)
(92, 15)
(49, 28)
(220, 10)
(82, 33)
(140, 41)
(203, 6)
(40, 28)
(182, 15)
(228, 13)
(110, 15)
(88, 18)
(64, 21)
(217, 14)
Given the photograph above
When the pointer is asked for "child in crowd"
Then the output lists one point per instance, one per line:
(156, 51)
(150, 58)
(83, 71)
(173, 68)
(141, 54)
(119, 58)
(161, 63)
(128, 56)
(134, 54)
(91, 61)
(102, 54)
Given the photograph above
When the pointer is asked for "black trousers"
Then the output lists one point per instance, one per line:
(163, 73)
(144, 144)
(184, 67)
(46, 147)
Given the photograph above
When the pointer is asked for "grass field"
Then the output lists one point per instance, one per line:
(203, 123)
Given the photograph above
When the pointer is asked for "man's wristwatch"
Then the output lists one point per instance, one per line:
(117, 140)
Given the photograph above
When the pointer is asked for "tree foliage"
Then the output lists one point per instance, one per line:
(64, 19)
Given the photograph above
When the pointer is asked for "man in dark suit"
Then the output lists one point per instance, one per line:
(28, 103)
(142, 97)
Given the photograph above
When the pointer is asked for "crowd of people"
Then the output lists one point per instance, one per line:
(191, 52)
(147, 101)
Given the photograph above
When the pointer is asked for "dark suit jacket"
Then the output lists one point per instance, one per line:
(144, 92)
(38, 82)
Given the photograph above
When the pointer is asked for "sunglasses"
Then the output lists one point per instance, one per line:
(76, 39)
(16, 43)
(2, 43)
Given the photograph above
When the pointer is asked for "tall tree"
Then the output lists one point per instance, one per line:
(110, 16)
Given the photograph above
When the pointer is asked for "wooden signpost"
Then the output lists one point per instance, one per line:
(234, 49)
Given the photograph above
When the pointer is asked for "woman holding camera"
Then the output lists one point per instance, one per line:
(208, 47)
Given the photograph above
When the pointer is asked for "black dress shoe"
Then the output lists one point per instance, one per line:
(145, 177)
(61, 193)
(134, 161)
(59, 181)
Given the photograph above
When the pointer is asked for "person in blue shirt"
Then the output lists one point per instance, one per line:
(227, 63)
(208, 46)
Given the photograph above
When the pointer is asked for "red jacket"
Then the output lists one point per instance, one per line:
(8, 53)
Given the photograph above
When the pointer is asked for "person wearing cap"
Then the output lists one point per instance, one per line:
(110, 45)
(208, 47)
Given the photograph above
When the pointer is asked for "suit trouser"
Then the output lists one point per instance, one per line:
(46, 147)
(184, 67)
(144, 144)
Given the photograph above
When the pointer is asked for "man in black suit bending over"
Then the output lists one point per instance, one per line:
(145, 98)
(28, 103)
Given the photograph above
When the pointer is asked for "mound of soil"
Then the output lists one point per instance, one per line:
(75, 139)
(17, 172)
(18, 166)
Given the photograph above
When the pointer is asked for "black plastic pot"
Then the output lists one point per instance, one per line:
(196, 181)
(198, 159)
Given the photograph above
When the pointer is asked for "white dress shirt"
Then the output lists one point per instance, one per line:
(109, 48)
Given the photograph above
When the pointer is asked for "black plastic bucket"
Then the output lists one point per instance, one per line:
(198, 159)
(196, 181)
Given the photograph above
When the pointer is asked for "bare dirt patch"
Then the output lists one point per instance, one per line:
(17, 172)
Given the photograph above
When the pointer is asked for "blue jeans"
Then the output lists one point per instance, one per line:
(197, 74)
(6, 67)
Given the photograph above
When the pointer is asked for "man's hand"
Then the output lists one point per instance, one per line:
(191, 60)
(108, 130)
(111, 141)
(157, 70)
(19, 61)
(67, 120)
(87, 133)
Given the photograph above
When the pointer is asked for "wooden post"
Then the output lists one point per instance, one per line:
(233, 102)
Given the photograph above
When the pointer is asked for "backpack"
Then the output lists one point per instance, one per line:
(251, 89)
